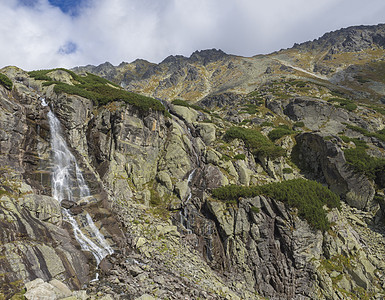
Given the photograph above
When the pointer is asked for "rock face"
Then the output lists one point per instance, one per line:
(317, 114)
(151, 176)
(352, 39)
(35, 240)
(326, 160)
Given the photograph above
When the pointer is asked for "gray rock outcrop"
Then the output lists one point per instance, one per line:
(326, 160)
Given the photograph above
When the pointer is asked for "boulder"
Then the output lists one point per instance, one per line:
(207, 132)
(188, 114)
(67, 204)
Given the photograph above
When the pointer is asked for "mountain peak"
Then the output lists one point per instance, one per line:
(208, 55)
(350, 39)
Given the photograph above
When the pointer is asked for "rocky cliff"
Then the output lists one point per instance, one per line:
(189, 194)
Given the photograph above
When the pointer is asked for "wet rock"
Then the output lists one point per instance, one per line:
(67, 204)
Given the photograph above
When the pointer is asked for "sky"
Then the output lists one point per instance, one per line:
(41, 34)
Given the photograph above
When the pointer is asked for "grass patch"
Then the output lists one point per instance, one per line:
(6, 82)
(255, 141)
(159, 205)
(240, 156)
(307, 196)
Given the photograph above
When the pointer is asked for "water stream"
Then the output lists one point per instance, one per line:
(68, 184)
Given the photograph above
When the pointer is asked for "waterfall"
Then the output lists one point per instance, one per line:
(68, 184)
(184, 213)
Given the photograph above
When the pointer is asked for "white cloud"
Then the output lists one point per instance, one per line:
(42, 36)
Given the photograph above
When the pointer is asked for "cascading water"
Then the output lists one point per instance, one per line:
(68, 184)
(184, 213)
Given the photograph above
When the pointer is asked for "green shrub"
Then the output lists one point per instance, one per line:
(380, 110)
(240, 156)
(250, 109)
(299, 124)
(361, 79)
(379, 134)
(279, 132)
(6, 82)
(307, 196)
(255, 209)
(101, 91)
(344, 103)
(225, 157)
(349, 106)
(255, 141)
(372, 167)
(245, 121)
(287, 170)
(266, 124)
(297, 83)
(51, 82)
(345, 138)
(40, 75)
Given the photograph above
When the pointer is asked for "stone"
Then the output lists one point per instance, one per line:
(188, 114)
(43, 291)
(345, 284)
(170, 229)
(67, 204)
(225, 220)
(164, 178)
(140, 242)
(359, 278)
(61, 289)
(135, 270)
(182, 189)
(243, 172)
(34, 283)
(80, 295)
(145, 297)
(213, 157)
(207, 132)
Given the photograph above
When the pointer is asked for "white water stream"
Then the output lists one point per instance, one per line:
(68, 184)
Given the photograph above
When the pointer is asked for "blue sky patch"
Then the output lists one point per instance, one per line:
(70, 7)
(68, 48)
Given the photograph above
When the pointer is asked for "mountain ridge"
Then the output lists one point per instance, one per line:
(329, 58)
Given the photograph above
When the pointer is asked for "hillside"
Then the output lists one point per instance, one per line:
(208, 177)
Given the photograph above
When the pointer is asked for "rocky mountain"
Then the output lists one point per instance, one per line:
(208, 177)
(350, 58)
